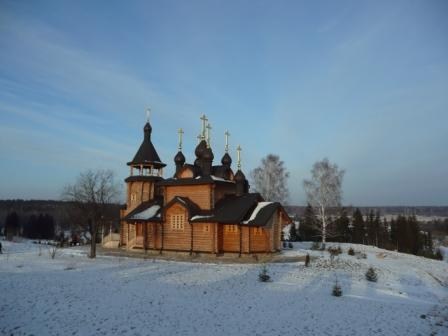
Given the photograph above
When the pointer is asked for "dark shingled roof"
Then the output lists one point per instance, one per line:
(238, 210)
(147, 154)
(144, 206)
(221, 171)
(264, 214)
(233, 209)
(143, 178)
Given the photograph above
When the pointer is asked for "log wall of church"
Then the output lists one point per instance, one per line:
(203, 234)
(259, 239)
(176, 238)
(230, 238)
(123, 233)
(199, 194)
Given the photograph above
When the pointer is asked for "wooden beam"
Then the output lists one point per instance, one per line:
(191, 238)
(241, 238)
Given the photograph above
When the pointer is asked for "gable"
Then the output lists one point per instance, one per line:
(186, 172)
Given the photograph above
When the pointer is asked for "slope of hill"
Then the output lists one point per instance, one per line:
(72, 295)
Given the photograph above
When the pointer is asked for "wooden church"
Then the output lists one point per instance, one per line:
(203, 208)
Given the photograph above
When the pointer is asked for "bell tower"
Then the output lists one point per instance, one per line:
(146, 169)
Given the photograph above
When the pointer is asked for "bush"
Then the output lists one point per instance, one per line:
(285, 244)
(351, 251)
(53, 251)
(337, 290)
(371, 275)
(307, 260)
(360, 255)
(263, 276)
(335, 251)
(290, 245)
(438, 255)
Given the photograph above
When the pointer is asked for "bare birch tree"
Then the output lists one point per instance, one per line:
(270, 179)
(324, 191)
(92, 193)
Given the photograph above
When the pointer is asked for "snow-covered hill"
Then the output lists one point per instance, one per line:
(72, 295)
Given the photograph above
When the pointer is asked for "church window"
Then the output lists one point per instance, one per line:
(231, 228)
(177, 222)
(258, 231)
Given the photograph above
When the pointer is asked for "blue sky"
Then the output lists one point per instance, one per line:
(364, 83)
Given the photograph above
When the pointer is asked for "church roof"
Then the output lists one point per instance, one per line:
(248, 209)
(193, 180)
(146, 211)
(147, 154)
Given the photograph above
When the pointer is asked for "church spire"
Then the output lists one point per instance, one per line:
(146, 155)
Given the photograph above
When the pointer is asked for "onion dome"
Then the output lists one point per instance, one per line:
(226, 160)
(200, 148)
(179, 159)
(239, 177)
(208, 154)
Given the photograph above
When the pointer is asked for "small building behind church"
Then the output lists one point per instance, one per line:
(203, 208)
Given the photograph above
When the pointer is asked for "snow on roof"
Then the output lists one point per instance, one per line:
(180, 200)
(254, 214)
(200, 217)
(147, 214)
(215, 178)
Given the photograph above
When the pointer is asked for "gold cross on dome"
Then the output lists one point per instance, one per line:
(227, 134)
(180, 132)
(204, 121)
(209, 128)
(238, 155)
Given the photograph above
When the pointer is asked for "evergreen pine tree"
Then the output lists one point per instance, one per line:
(12, 225)
(358, 227)
(337, 290)
(292, 232)
(308, 225)
(343, 227)
(371, 275)
(394, 233)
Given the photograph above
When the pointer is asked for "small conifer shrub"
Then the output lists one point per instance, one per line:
(263, 276)
(371, 275)
(290, 245)
(337, 290)
(351, 251)
(284, 244)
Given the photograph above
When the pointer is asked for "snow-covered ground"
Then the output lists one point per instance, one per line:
(72, 295)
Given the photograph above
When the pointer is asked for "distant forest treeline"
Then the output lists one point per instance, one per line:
(62, 214)
(428, 211)
(64, 217)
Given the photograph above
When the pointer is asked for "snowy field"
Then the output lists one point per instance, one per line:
(72, 295)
